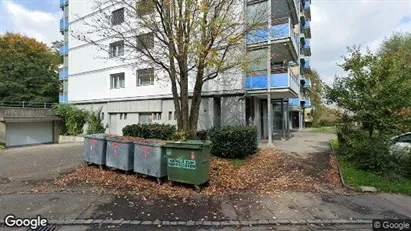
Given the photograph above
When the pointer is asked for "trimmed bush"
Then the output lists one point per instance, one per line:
(202, 135)
(150, 131)
(233, 141)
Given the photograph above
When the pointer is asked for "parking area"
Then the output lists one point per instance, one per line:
(22, 167)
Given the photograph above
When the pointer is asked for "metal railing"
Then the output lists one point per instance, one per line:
(26, 104)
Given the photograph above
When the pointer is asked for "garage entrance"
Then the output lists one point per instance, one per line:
(27, 133)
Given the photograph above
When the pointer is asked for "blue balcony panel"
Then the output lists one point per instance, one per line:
(63, 74)
(307, 29)
(307, 103)
(63, 98)
(63, 24)
(307, 83)
(280, 31)
(64, 49)
(307, 9)
(63, 3)
(260, 82)
(307, 48)
(294, 101)
(307, 64)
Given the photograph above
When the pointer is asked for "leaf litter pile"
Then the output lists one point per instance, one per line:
(268, 171)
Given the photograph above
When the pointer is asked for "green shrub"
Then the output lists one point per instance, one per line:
(233, 141)
(150, 131)
(203, 135)
(73, 118)
(95, 123)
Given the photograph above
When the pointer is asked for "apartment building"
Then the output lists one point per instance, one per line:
(129, 94)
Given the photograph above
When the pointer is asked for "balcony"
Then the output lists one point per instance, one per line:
(294, 102)
(63, 3)
(307, 83)
(284, 84)
(307, 29)
(306, 49)
(63, 98)
(64, 49)
(63, 24)
(307, 103)
(305, 64)
(63, 74)
(307, 8)
(282, 38)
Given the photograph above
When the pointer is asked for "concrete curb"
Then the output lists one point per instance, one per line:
(210, 223)
(339, 168)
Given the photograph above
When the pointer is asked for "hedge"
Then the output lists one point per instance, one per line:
(150, 131)
(234, 141)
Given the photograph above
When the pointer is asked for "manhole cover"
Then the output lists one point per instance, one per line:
(44, 228)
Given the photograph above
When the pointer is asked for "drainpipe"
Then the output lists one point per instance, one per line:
(269, 105)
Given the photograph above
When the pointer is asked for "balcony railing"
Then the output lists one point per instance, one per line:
(63, 74)
(63, 24)
(278, 81)
(306, 64)
(281, 30)
(307, 8)
(63, 3)
(294, 101)
(307, 83)
(307, 103)
(63, 98)
(64, 49)
(307, 48)
(307, 29)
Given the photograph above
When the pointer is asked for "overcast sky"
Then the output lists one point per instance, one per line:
(335, 25)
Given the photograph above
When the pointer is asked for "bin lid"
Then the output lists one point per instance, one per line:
(183, 146)
(149, 144)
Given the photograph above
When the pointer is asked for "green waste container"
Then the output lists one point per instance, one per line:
(188, 162)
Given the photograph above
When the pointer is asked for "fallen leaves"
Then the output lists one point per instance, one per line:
(268, 171)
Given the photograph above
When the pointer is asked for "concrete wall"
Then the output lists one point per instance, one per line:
(2, 132)
(233, 110)
(11, 112)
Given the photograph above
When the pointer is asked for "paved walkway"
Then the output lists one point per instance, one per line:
(226, 211)
(304, 143)
(22, 167)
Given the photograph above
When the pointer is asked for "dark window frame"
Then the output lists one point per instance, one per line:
(115, 50)
(117, 17)
(145, 73)
(119, 76)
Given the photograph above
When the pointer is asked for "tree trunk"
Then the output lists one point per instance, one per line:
(195, 103)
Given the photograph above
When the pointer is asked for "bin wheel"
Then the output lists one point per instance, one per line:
(102, 167)
(159, 181)
(207, 183)
(198, 188)
(172, 183)
(87, 163)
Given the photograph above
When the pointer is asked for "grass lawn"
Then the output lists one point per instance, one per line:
(1, 147)
(324, 130)
(357, 177)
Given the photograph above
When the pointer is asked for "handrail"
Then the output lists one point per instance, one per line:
(26, 104)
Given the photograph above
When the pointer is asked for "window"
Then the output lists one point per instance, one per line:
(145, 76)
(170, 115)
(157, 116)
(125, 116)
(145, 7)
(102, 115)
(145, 41)
(404, 139)
(117, 80)
(121, 116)
(116, 49)
(117, 17)
(145, 118)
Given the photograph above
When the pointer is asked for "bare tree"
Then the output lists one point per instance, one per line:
(181, 39)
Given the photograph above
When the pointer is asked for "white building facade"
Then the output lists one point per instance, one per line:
(130, 94)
